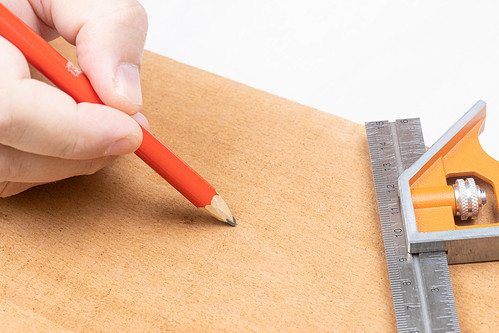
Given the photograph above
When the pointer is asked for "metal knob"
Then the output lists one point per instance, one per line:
(469, 198)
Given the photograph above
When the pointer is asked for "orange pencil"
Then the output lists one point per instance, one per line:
(72, 81)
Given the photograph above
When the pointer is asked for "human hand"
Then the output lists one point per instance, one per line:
(44, 134)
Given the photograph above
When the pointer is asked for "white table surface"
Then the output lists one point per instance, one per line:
(362, 60)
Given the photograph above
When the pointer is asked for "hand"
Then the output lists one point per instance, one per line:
(44, 134)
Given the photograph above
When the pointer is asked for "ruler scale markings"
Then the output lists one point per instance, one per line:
(418, 275)
(421, 289)
(436, 273)
(405, 160)
(433, 266)
(386, 171)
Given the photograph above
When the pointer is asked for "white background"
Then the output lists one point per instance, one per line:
(363, 60)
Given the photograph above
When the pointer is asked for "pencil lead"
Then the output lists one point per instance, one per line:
(231, 222)
(219, 210)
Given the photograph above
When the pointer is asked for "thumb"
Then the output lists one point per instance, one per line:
(109, 38)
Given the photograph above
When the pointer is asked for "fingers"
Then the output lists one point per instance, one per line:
(109, 37)
(44, 134)
(40, 119)
(19, 166)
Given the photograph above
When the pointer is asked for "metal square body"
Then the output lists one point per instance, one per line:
(462, 246)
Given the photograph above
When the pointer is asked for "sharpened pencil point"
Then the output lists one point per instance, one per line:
(231, 222)
(219, 210)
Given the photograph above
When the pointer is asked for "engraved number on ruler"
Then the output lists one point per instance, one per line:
(421, 290)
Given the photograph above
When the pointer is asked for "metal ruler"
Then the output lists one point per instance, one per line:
(420, 283)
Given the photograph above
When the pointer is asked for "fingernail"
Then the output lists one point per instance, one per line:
(122, 146)
(127, 80)
(141, 119)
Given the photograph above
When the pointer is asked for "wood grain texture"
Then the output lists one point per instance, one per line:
(122, 251)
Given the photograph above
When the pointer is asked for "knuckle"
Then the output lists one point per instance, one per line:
(74, 147)
(92, 166)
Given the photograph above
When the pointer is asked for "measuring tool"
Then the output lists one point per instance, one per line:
(421, 204)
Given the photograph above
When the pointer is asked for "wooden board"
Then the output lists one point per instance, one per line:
(121, 250)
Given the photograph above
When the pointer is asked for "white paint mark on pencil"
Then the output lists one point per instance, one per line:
(72, 69)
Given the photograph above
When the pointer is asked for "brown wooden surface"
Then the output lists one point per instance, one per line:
(122, 251)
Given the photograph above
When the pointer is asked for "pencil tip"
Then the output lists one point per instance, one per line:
(231, 222)
(220, 211)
